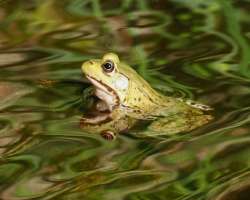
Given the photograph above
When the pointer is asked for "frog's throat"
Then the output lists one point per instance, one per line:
(105, 93)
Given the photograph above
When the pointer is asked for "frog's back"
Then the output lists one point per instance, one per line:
(134, 77)
(141, 96)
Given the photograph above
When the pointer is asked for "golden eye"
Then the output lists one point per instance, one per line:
(108, 66)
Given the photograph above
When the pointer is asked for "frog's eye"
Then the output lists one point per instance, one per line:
(108, 66)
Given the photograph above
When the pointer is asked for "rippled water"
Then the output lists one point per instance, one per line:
(190, 48)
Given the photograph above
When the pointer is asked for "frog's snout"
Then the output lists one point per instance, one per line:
(86, 65)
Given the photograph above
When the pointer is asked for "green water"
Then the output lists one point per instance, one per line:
(194, 49)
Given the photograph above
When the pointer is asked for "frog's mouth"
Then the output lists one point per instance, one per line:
(105, 93)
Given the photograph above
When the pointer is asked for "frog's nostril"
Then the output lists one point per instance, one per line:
(90, 62)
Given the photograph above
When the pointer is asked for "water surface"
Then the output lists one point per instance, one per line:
(187, 48)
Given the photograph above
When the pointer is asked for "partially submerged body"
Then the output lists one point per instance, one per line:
(126, 98)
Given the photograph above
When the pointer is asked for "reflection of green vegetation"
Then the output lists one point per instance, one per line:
(49, 16)
(233, 26)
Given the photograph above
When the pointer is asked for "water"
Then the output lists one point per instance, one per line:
(192, 49)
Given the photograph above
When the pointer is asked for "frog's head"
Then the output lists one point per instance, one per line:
(111, 85)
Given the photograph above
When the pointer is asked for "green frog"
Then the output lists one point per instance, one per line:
(125, 98)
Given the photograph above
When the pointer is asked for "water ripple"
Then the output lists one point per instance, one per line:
(189, 49)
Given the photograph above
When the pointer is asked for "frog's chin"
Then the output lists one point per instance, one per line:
(105, 93)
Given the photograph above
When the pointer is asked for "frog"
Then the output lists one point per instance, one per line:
(125, 99)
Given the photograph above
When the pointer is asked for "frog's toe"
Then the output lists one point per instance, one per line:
(108, 135)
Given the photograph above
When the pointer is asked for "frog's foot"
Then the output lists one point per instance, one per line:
(108, 135)
(96, 119)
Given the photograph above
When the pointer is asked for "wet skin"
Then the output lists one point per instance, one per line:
(126, 98)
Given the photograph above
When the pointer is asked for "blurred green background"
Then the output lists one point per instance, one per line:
(192, 49)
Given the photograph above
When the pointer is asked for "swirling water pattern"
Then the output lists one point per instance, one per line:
(189, 48)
